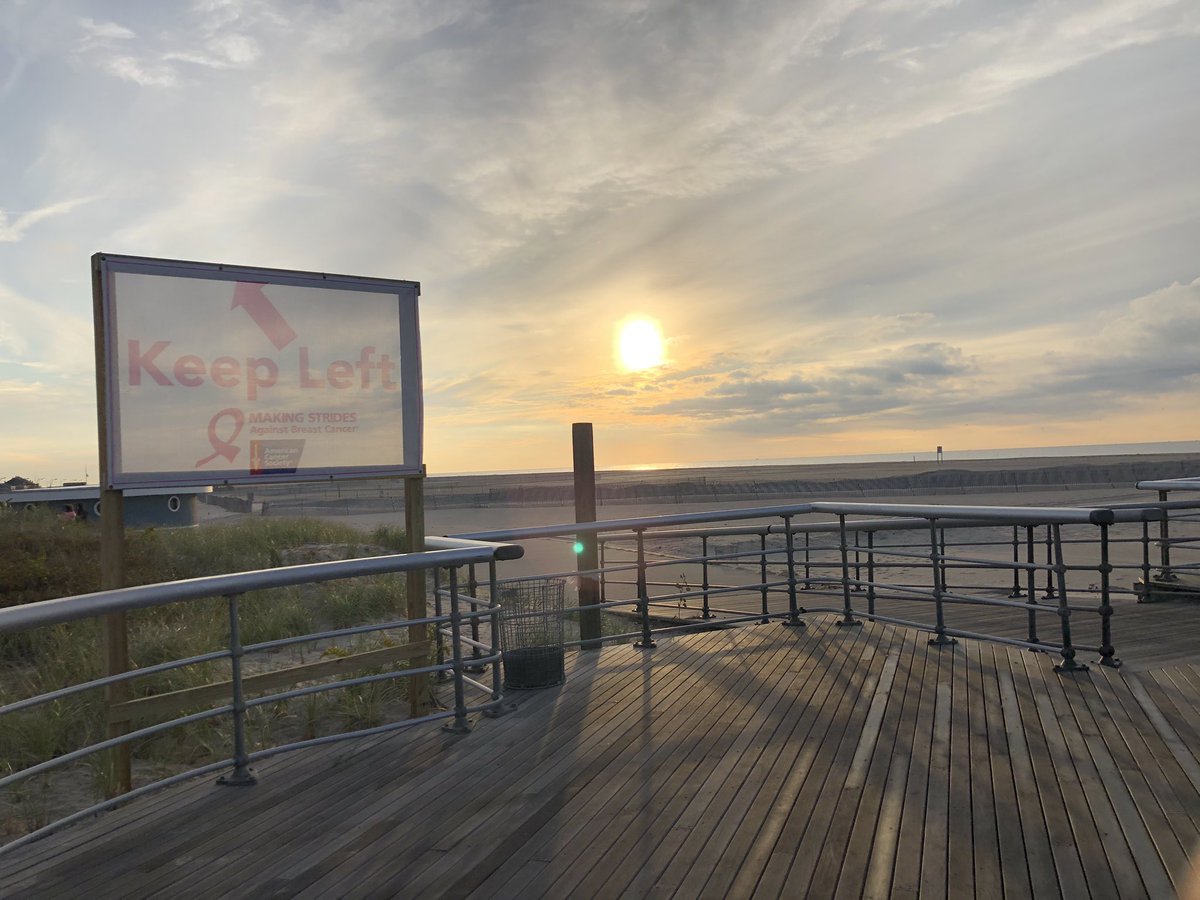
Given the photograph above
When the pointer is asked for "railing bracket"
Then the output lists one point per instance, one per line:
(502, 709)
(1069, 665)
(239, 777)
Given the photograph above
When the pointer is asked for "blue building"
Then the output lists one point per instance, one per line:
(144, 507)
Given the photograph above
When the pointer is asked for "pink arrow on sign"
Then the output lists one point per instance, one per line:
(250, 297)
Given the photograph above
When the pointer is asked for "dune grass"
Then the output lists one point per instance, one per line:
(45, 557)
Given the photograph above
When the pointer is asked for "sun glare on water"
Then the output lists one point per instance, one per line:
(639, 345)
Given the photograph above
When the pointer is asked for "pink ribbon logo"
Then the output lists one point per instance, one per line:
(224, 448)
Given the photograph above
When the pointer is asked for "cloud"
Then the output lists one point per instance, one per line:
(1147, 351)
(103, 34)
(1150, 348)
(151, 59)
(13, 231)
(889, 384)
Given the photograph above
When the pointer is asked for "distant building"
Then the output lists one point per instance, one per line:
(17, 483)
(144, 507)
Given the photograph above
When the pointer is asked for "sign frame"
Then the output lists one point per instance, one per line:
(106, 309)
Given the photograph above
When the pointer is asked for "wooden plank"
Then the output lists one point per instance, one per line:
(660, 794)
(1039, 779)
(715, 812)
(865, 845)
(206, 695)
(814, 819)
(1091, 808)
(934, 853)
(985, 845)
(574, 836)
(862, 789)
(907, 873)
(630, 779)
(707, 801)
(400, 815)
(325, 788)
(538, 788)
(1146, 751)
(1134, 819)
(960, 851)
(744, 864)
(1013, 862)
(722, 823)
(1081, 830)
(769, 723)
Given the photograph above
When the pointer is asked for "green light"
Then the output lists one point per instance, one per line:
(577, 546)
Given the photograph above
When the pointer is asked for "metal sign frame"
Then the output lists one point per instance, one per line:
(113, 410)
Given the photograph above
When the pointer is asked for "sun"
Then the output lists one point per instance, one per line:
(639, 344)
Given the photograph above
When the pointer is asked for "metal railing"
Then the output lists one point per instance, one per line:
(446, 554)
(1187, 544)
(932, 567)
(759, 572)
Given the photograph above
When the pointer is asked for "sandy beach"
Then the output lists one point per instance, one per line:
(468, 504)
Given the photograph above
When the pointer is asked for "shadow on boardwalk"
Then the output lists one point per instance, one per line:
(762, 760)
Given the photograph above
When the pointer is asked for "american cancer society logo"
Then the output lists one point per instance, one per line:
(279, 457)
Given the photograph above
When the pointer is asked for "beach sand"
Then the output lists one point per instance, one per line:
(469, 504)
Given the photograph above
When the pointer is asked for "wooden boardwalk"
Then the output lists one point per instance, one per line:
(760, 761)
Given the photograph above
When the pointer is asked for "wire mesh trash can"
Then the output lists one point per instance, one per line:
(531, 634)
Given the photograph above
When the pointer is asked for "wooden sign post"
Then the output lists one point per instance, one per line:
(587, 555)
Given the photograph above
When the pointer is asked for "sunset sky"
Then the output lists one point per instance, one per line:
(861, 227)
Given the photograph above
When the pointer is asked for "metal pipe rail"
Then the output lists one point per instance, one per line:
(631, 535)
(449, 553)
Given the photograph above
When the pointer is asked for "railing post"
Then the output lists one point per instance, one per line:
(1016, 588)
(1145, 597)
(497, 679)
(942, 551)
(857, 563)
(600, 546)
(1068, 663)
(871, 573)
(241, 776)
(1107, 652)
(847, 618)
(705, 613)
(440, 649)
(939, 639)
(807, 563)
(762, 569)
(460, 725)
(473, 592)
(1164, 541)
(647, 641)
(1031, 585)
(1049, 595)
(793, 618)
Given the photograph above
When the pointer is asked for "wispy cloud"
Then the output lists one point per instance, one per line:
(13, 229)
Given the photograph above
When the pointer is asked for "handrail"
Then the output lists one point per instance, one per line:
(449, 553)
(86, 606)
(858, 518)
(919, 514)
(1170, 484)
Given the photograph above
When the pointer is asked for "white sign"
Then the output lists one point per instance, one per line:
(222, 374)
